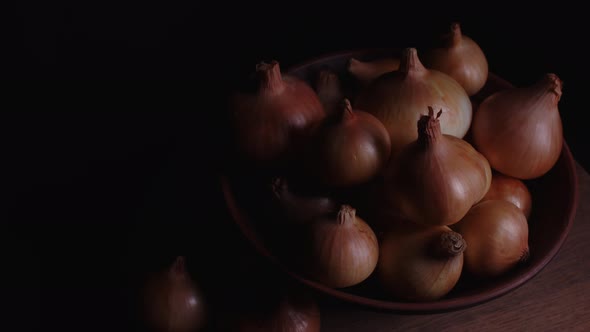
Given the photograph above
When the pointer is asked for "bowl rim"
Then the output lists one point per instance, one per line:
(441, 305)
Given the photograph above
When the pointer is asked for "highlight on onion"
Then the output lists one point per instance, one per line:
(173, 302)
(341, 251)
(399, 98)
(519, 130)
(420, 263)
(461, 58)
(437, 178)
(497, 233)
(351, 150)
(512, 190)
(276, 120)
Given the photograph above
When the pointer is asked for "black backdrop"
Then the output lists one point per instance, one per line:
(112, 126)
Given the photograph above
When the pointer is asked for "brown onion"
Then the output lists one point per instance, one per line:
(298, 208)
(437, 178)
(419, 263)
(367, 71)
(329, 91)
(173, 303)
(461, 58)
(519, 130)
(289, 310)
(400, 97)
(511, 190)
(497, 233)
(343, 251)
(275, 120)
(351, 150)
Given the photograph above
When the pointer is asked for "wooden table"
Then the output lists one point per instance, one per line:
(556, 299)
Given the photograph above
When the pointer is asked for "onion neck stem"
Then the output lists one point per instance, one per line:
(270, 78)
(346, 214)
(347, 112)
(429, 128)
(410, 63)
(455, 36)
(178, 268)
(551, 85)
(449, 244)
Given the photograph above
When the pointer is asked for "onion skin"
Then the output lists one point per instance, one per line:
(275, 121)
(352, 150)
(511, 190)
(399, 98)
(437, 178)
(367, 71)
(343, 251)
(420, 263)
(173, 303)
(497, 233)
(519, 130)
(461, 58)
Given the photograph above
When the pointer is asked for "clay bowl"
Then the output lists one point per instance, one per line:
(554, 204)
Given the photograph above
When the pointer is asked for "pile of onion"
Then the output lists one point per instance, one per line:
(439, 208)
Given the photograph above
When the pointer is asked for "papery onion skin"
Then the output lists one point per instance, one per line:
(400, 97)
(497, 233)
(343, 251)
(367, 71)
(462, 59)
(519, 130)
(420, 263)
(272, 123)
(437, 178)
(511, 190)
(352, 150)
(173, 303)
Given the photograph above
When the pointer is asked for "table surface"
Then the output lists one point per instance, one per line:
(556, 299)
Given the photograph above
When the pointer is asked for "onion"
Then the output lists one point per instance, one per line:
(511, 190)
(461, 58)
(329, 91)
(399, 98)
(173, 303)
(370, 70)
(285, 310)
(497, 233)
(519, 130)
(437, 178)
(274, 122)
(420, 263)
(343, 251)
(297, 208)
(350, 151)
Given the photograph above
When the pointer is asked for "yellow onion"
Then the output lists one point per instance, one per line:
(400, 97)
(511, 190)
(461, 58)
(497, 233)
(519, 130)
(419, 263)
(343, 251)
(437, 178)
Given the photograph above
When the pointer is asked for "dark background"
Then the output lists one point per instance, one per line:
(112, 128)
